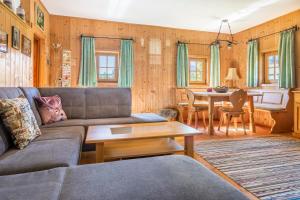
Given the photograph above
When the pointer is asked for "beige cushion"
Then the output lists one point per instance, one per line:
(20, 121)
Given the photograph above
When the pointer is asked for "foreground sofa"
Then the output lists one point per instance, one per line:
(47, 168)
(163, 178)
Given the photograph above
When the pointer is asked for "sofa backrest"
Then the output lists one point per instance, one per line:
(73, 100)
(30, 93)
(5, 138)
(108, 103)
(93, 103)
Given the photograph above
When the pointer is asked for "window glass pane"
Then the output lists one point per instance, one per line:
(271, 76)
(193, 76)
(193, 65)
(200, 66)
(277, 77)
(277, 61)
(111, 61)
(103, 73)
(199, 76)
(110, 73)
(271, 61)
(102, 61)
(277, 70)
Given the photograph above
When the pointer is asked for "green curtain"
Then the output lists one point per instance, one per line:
(287, 59)
(126, 64)
(182, 65)
(88, 70)
(215, 65)
(252, 64)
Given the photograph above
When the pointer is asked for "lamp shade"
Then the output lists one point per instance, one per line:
(232, 75)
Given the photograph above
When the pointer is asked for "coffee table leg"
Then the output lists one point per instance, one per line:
(99, 152)
(189, 146)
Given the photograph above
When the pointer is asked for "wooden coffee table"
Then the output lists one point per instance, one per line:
(137, 140)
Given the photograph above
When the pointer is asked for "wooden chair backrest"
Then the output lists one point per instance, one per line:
(238, 100)
(191, 97)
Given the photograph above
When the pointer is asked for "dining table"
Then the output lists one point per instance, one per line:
(214, 97)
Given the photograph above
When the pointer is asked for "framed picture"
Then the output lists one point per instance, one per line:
(15, 38)
(3, 42)
(39, 17)
(26, 46)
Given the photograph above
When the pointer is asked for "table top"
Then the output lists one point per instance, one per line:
(227, 94)
(97, 134)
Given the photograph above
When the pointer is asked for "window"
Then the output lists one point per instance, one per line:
(197, 70)
(107, 66)
(271, 67)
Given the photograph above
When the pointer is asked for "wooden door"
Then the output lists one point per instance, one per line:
(36, 62)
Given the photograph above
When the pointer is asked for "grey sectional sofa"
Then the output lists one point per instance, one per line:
(47, 168)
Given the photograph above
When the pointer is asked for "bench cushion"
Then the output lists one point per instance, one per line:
(70, 132)
(165, 178)
(269, 107)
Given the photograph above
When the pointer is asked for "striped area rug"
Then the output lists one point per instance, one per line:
(268, 167)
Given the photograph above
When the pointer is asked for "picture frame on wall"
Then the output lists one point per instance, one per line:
(15, 38)
(39, 17)
(26, 46)
(3, 42)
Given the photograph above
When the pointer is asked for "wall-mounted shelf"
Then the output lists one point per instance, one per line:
(15, 15)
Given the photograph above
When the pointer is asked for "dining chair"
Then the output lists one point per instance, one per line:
(237, 100)
(195, 107)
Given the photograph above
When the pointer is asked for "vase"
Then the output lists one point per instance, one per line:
(21, 12)
(8, 3)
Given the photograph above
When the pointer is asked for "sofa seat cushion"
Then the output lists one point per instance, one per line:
(44, 185)
(71, 132)
(269, 107)
(135, 118)
(167, 178)
(41, 155)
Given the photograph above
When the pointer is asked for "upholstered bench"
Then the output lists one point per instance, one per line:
(277, 104)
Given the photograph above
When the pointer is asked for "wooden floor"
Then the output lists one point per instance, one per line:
(260, 131)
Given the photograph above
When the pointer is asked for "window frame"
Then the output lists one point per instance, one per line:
(204, 72)
(266, 67)
(108, 53)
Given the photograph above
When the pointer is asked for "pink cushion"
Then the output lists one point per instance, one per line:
(50, 109)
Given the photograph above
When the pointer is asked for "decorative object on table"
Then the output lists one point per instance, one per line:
(50, 109)
(21, 12)
(19, 120)
(26, 46)
(8, 3)
(39, 17)
(66, 68)
(3, 42)
(15, 38)
(209, 90)
(232, 77)
(169, 113)
(221, 89)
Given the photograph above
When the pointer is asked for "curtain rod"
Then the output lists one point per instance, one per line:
(296, 28)
(106, 37)
(180, 42)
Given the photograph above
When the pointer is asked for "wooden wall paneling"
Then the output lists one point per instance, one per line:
(154, 84)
